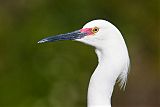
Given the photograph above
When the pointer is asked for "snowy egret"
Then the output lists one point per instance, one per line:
(112, 55)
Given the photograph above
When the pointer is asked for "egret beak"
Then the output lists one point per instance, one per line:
(78, 34)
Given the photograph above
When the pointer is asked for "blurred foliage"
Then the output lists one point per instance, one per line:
(57, 74)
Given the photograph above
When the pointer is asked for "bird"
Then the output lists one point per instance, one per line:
(113, 59)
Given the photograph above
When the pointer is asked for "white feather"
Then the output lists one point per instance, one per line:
(113, 61)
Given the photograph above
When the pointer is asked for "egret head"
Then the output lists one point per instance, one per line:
(94, 33)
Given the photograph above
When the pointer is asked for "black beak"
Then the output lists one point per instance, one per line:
(68, 36)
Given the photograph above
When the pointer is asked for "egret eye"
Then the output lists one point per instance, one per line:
(95, 29)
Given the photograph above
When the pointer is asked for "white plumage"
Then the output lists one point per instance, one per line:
(113, 61)
(112, 55)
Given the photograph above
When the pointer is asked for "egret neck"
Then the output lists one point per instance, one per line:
(111, 62)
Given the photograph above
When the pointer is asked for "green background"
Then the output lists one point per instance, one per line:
(57, 74)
